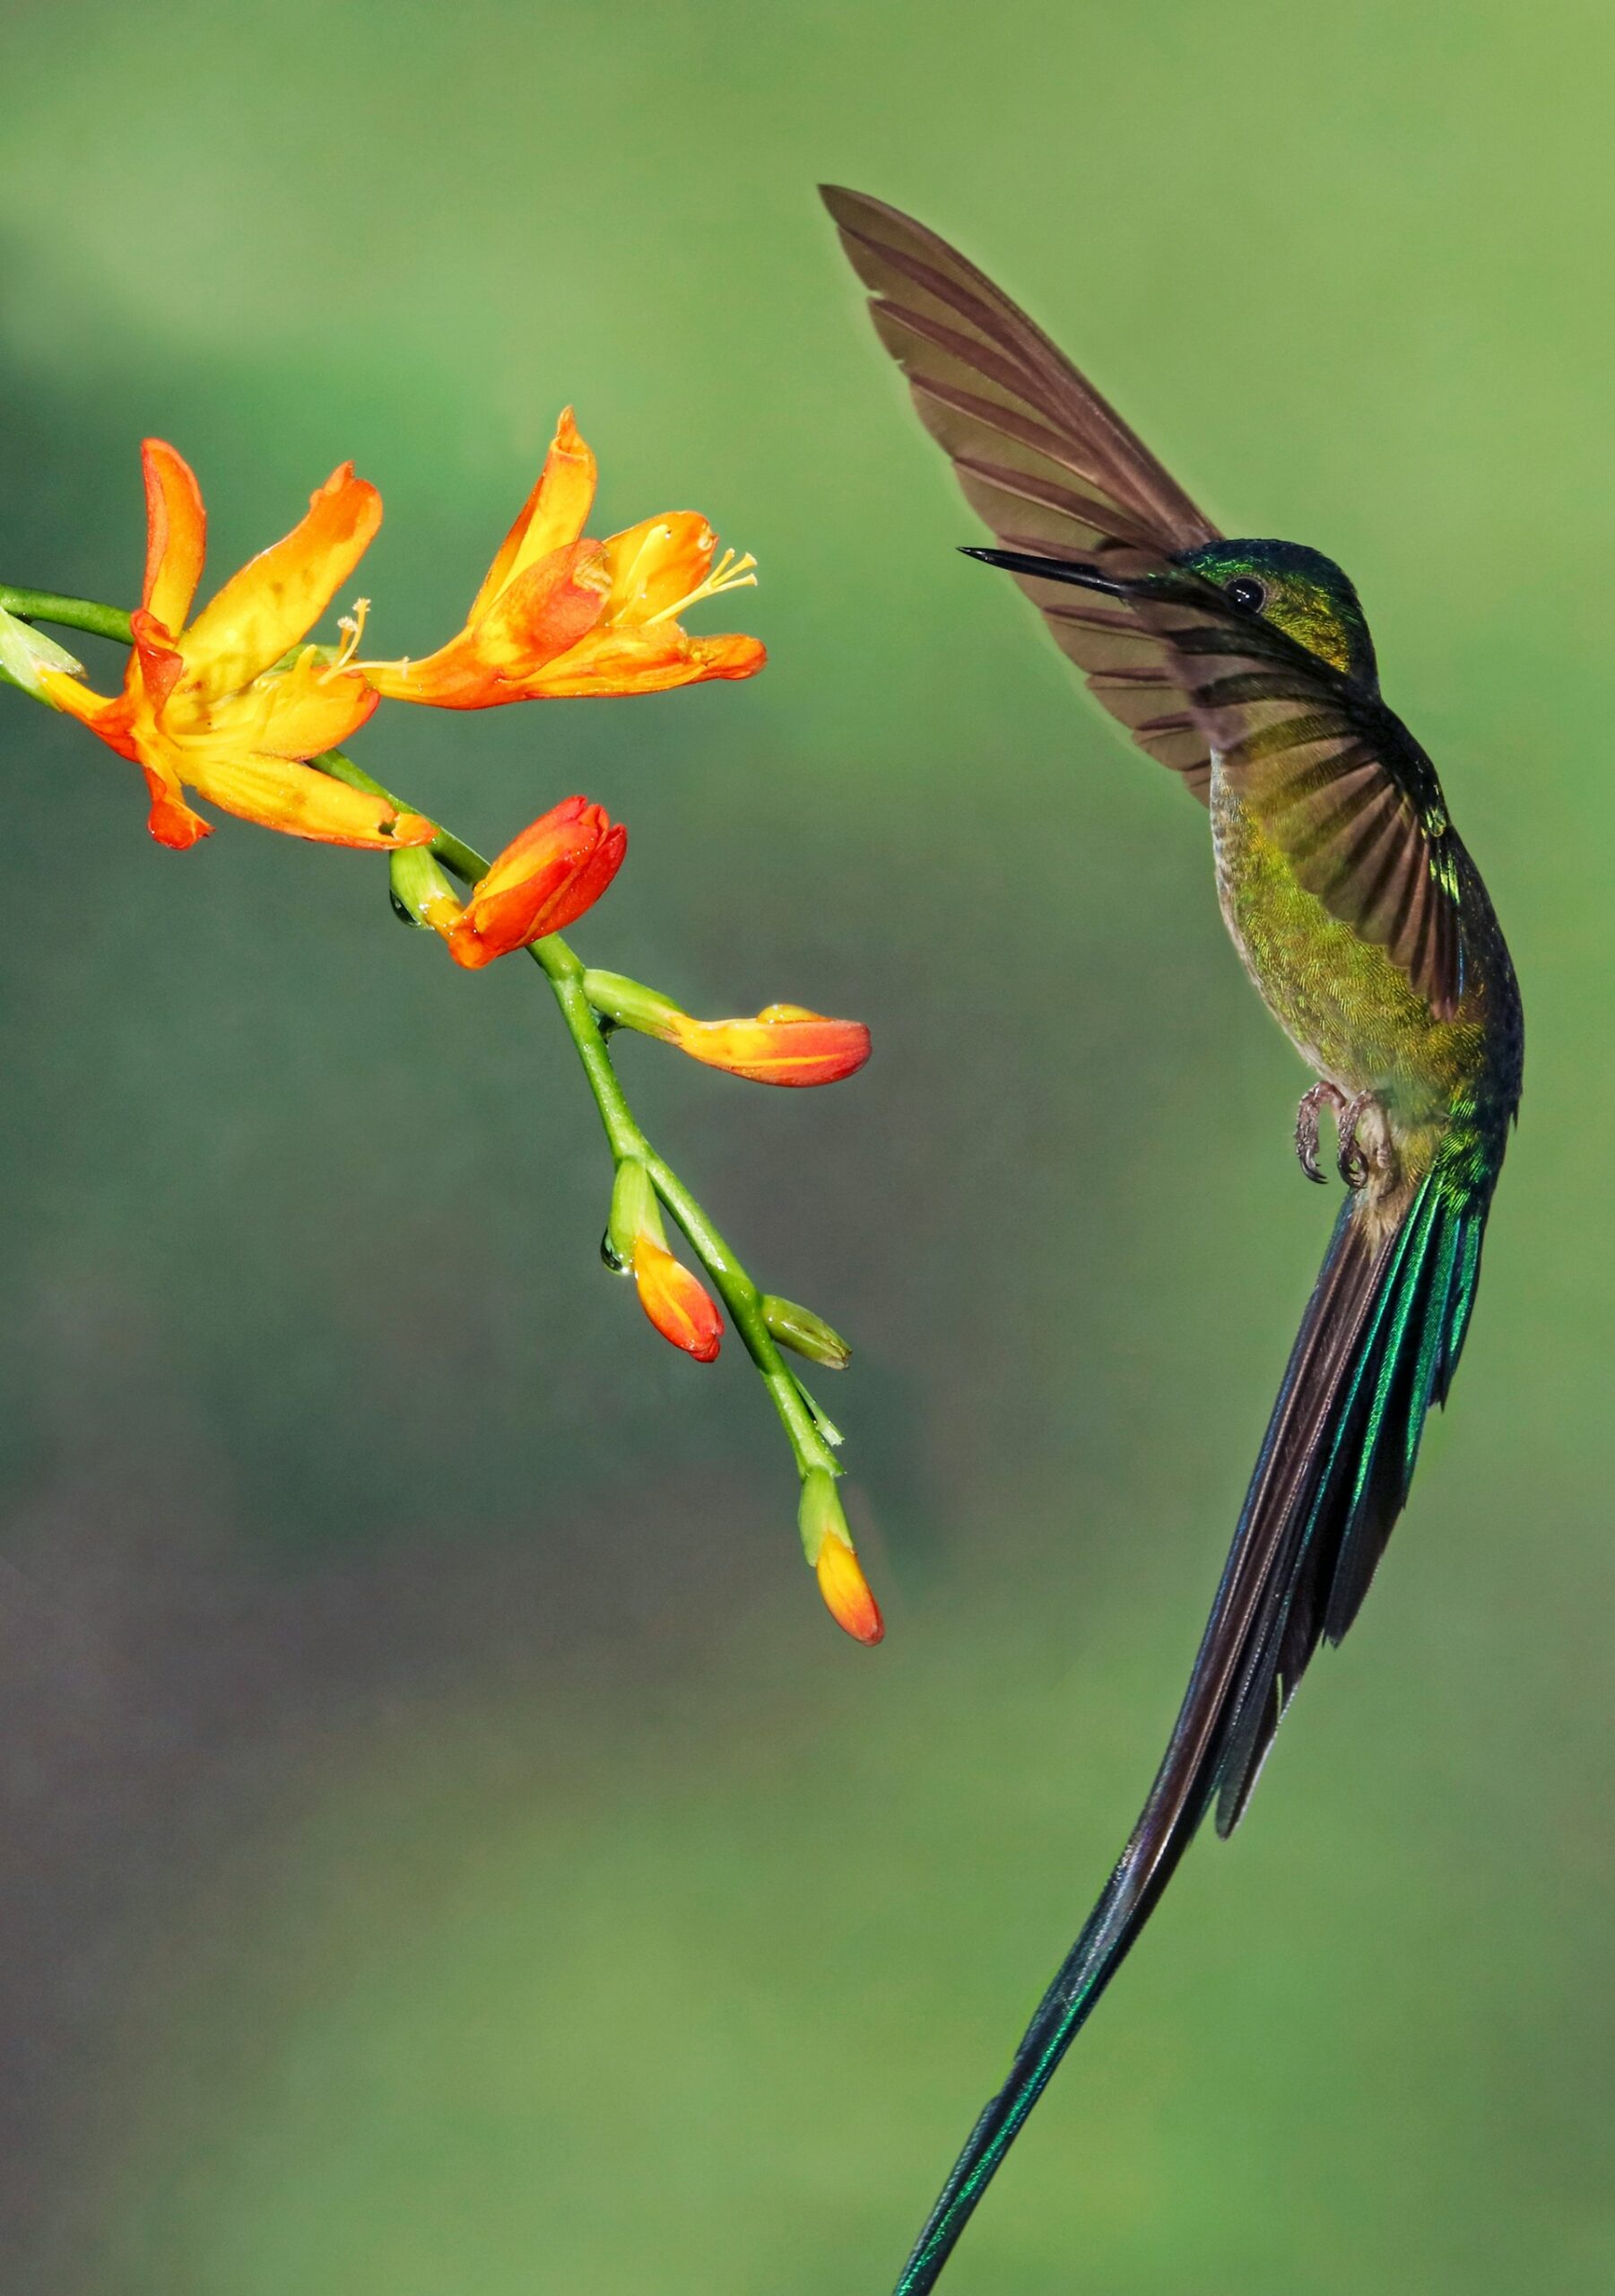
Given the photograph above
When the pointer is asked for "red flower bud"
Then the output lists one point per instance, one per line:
(540, 883)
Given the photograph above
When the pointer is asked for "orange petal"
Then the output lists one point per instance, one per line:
(656, 564)
(170, 820)
(155, 666)
(650, 661)
(175, 534)
(554, 514)
(846, 1592)
(278, 596)
(678, 1305)
(784, 1045)
(541, 613)
(278, 793)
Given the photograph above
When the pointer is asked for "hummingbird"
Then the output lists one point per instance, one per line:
(1246, 668)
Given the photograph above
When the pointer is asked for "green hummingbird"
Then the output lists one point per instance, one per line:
(1247, 668)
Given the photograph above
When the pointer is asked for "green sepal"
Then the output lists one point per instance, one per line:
(25, 651)
(635, 1213)
(416, 884)
(820, 1516)
(799, 1327)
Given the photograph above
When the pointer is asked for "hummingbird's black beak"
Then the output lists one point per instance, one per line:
(1049, 569)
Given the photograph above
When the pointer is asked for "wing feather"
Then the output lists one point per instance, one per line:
(1332, 776)
(1040, 455)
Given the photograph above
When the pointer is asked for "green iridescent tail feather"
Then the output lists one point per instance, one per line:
(1377, 1347)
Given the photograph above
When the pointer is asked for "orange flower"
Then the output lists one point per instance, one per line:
(679, 1306)
(784, 1044)
(213, 703)
(542, 882)
(560, 615)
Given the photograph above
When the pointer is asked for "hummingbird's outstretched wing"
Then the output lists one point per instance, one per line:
(1052, 468)
(1332, 776)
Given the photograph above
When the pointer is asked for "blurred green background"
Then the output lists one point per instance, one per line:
(446, 1851)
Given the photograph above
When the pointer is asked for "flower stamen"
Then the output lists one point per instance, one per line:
(352, 626)
(730, 573)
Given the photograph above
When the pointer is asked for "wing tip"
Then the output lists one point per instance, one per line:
(848, 208)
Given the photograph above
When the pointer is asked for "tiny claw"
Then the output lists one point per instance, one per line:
(1353, 1157)
(1306, 1124)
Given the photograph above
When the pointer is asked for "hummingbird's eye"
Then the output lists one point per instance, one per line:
(1247, 593)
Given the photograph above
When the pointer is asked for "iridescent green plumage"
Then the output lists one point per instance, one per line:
(1248, 668)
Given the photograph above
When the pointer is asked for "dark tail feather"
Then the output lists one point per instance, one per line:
(1378, 1344)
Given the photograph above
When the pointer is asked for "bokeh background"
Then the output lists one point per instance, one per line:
(446, 1850)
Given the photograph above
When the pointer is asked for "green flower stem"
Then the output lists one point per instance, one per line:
(68, 613)
(564, 970)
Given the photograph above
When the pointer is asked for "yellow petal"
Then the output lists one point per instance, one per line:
(279, 793)
(299, 712)
(656, 564)
(276, 598)
(552, 515)
(650, 661)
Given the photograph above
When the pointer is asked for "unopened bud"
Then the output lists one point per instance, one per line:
(25, 652)
(420, 890)
(828, 1545)
(808, 1334)
(846, 1593)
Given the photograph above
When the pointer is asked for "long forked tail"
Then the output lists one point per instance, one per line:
(1377, 1347)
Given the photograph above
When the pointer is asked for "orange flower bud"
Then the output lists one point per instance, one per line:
(785, 1044)
(542, 882)
(846, 1593)
(828, 1545)
(676, 1304)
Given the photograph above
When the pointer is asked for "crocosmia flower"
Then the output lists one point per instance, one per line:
(219, 704)
(542, 882)
(559, 614)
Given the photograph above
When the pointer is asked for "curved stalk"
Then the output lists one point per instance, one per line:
(564, 971)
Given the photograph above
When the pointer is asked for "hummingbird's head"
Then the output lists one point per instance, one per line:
(1300, 592)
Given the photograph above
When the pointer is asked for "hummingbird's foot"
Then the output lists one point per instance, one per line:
(1365, 1146)
(1322, 1095)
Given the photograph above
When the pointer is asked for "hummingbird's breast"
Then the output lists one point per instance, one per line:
(1351, 1014)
